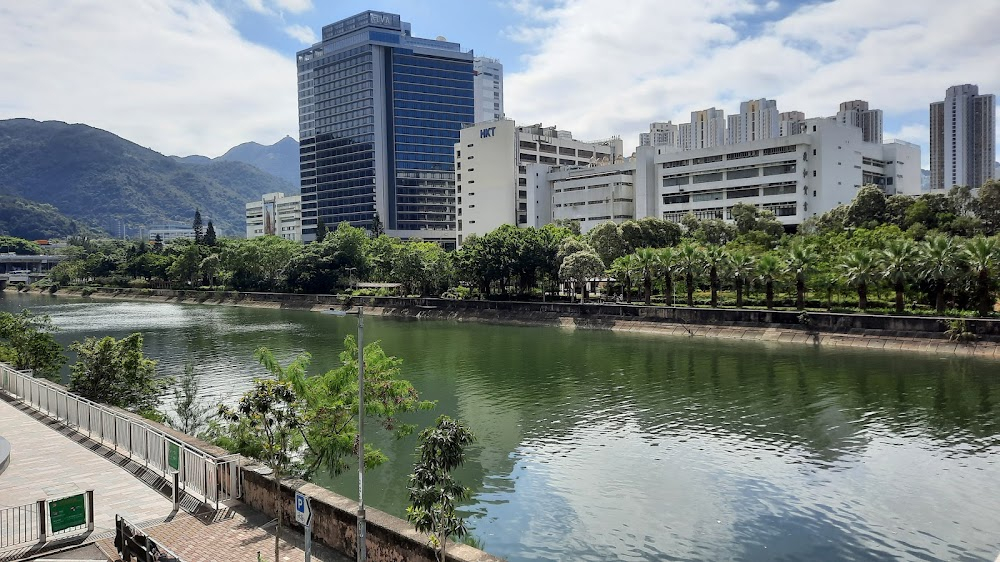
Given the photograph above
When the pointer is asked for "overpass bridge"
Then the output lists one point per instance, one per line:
(26, 269)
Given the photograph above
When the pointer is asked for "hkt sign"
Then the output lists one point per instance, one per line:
(488, 132)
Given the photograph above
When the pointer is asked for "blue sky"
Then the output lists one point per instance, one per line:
(200, 76)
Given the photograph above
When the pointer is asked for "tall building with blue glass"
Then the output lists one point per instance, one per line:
(379, 114)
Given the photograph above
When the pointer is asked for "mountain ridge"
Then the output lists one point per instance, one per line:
(280, 159)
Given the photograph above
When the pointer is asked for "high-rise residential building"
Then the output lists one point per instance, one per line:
(857, 114)
(963, 138)
(684, 136)
(757, 119)
(660, 134)
(791, 123)
(489, 88)
(379, 114)
(275, 214)
(708, 128)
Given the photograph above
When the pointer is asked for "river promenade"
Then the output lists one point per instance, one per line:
(910, 334)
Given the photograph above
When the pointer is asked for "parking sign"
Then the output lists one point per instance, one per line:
(303, 512)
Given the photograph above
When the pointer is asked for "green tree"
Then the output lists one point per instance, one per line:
(210, 237)
(801, 261)
(981, 255)
(868, 208)
(579, 268)
(321, 230)
(860, 270)
(198, 227)
(26, 342)
(269, 411)
(741, 266)
(646, 261)
(377, 228)
(257, 264)
(667, 265)
(116, 372)
(190, 415)
(434, 493)
(623, 269)
(689, 259)
(938, 265)
(987, 207)
(19, 246)
(715, 259)
(769, 269)
(898, 259)
(606, 239)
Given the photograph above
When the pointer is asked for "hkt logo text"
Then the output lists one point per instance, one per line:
(489, 132)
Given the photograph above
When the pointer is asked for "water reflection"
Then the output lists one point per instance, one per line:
(599, 445)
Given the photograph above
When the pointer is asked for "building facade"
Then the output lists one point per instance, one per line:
(491, 161)
(962, 138)
(275, 215)
(795, 177)
(379, 114)
(708, 129)
(757, 119)
(169, 232)
(857, 114)
(660, 134)
(791, 123)
(488, 82)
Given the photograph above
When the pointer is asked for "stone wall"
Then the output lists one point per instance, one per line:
(335, 523)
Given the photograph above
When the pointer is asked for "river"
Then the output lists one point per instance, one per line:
(600, 445)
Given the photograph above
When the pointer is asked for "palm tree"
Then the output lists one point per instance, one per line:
(689, 260)
(646, 260)
(715, 257)
(667, 262)
(898, 258)
(741, 267)
(623, 269)
(860, 268)
(801, 259)
(769, 269)
(938, 264)
(981, 254)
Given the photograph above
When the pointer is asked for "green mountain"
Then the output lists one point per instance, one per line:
(96, 177)
(279, 159)
(31, 220)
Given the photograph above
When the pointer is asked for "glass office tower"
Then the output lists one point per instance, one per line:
(379, 114)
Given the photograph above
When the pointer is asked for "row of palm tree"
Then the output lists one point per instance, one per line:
(939, 261)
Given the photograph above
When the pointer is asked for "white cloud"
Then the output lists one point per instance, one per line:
(303, 33)
(168, 74)
(276, 7)
(257, 6)
(599, 72)
(294, 6)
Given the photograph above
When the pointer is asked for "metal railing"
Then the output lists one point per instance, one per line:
(20, 524)
(132, 543)
(202, 474)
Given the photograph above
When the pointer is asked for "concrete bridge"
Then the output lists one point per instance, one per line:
(26, 269)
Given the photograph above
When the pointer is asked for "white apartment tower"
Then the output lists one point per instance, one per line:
(857, 114)
(660, 134)
(963, 138)
(791, 123)
(488, 81)
(708, 128)
(757, 119)
(275, 214)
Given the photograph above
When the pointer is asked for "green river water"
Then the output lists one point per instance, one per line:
(608, 446)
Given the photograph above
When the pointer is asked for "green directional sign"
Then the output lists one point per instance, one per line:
(68, 512)
(174, 456)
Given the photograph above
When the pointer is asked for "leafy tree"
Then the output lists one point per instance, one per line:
(377, 228)
(571, 225)
(868, 208)
(257, 264)
(321, 230)
(981, 254)
(741, 266)
(185, 267)
(434, 494)
(987, 207)
(645, 261)
(269, 411)
(769, 269)
(861, 270)
(938, 264)
(158, 243)
(580, 267)
(190, 415)
(198, 227)
(19, 246)
(689, 259)
(210, 237)
(26, 342)
(606, 239)
(116, 372)
(801, 261)
(896, 207)
(898, 258)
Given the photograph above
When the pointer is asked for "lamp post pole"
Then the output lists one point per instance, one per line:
(362, 547)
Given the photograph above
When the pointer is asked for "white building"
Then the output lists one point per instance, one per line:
(708, 128)
(757, 119)
(660, 134)
(791, 123)
(587, 195)
(276, 215)
(171, 231)
(491, 161)
(488, 81)
(857, 114)
(796, 177)
(963, 138)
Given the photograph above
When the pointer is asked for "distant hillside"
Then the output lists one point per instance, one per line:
(93, 176)
(280, 159)
(31, 220)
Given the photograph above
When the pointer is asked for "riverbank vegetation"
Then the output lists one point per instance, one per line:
(937, 253)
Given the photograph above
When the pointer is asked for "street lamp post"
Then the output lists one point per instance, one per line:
(359, 312)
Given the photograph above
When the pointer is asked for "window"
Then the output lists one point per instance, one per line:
(676, 199)
(705, 178)
(715, 195)
(783, 168)
(546, 160)
(584, 153)
(706, 160)
(743, 192)
(741, 155)
(740, 174)
(675, 163)
(522, 182)
(523, 194)
(814, 173)
(567, 151)
(779, 150)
